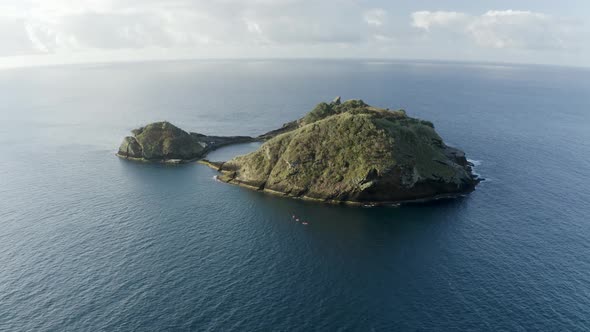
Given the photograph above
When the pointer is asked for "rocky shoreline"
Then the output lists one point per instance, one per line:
(217, 167)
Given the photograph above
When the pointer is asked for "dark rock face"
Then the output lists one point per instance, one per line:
(163, 141)
(350, 151)
(130, 148)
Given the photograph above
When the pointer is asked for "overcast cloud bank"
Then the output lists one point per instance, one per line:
(69, 29)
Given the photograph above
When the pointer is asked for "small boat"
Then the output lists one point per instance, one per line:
(297, 219)
(304, 223)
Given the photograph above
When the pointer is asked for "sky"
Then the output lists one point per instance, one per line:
(39, 32)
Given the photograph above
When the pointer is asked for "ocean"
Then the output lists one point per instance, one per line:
(90, 242)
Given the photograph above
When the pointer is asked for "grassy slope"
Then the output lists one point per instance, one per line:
(162, 140)
(341, 150)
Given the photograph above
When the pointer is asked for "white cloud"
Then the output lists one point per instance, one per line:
(99, 26)
(503, 29)
(57, 26)
(276, 28)
(519, 29)
(426, 19)
(375, 17)
(14, 37)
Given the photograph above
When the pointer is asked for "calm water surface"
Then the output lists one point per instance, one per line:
(89, 242)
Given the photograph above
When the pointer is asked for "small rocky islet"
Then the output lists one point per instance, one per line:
(165, 143)
(340, 152)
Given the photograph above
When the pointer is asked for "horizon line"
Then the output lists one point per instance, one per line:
(4, 67)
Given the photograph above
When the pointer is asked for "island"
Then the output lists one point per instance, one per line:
(163, 142)
(340, 152)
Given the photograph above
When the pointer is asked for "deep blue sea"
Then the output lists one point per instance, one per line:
(89, 242)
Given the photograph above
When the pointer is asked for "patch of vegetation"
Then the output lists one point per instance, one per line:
(163, 140)
(355, 106)
(321, 111)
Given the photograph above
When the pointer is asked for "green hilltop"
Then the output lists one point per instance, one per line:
(353, 152)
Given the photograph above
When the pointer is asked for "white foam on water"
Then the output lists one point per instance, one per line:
(475, 162)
